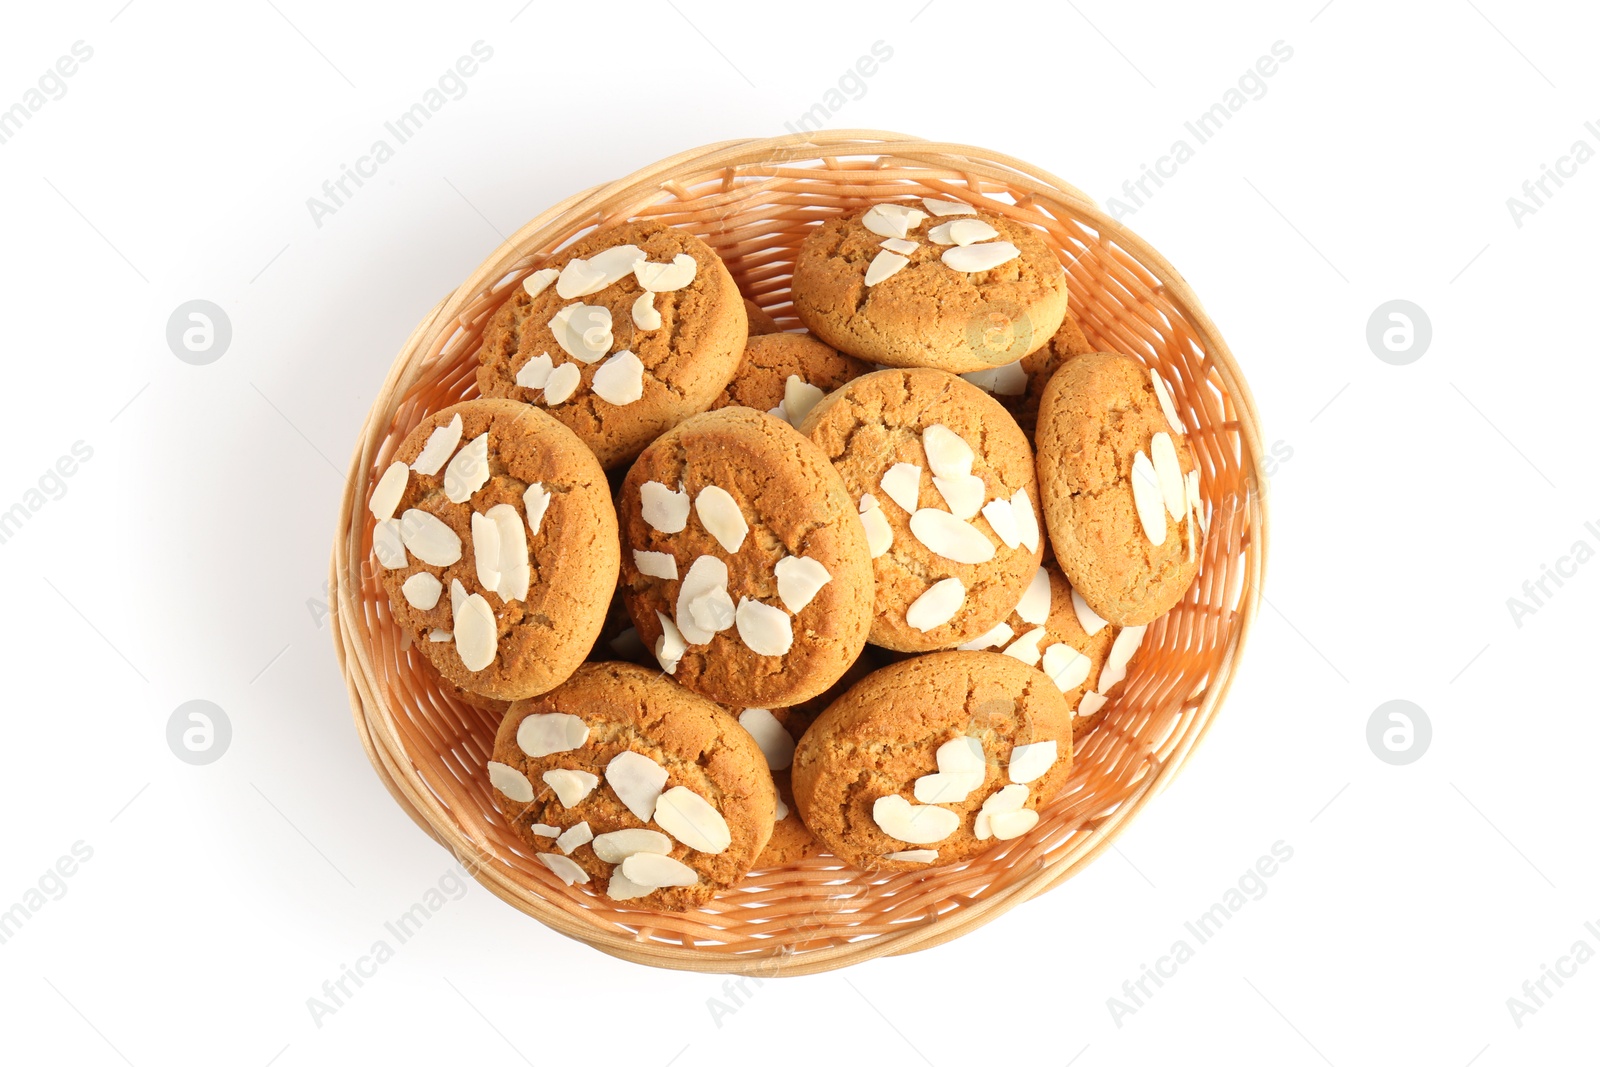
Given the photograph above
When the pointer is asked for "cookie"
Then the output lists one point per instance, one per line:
(745, 566)
(954, 534)
(785, 374)
(932, 760)
(1119, 487)
(620, 337)
(898, 285)
(496, 541)
(760, 321)
(626, 782)
(1018, 386)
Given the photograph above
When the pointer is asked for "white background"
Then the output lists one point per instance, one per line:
(186, 559)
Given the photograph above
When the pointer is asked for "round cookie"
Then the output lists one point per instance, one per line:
(505, 481)
(729, 522)
(906, 304)
(771, 360)
(621, 748)
(1018, 387)
(760, 321)
(1119, 487)
(917, 758)
(638, 366)
(927, 599)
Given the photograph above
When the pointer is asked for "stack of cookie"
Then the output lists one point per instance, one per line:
(743, 596)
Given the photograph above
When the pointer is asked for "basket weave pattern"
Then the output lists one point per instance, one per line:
(753, 201)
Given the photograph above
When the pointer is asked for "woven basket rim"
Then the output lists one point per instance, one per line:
(375, 723)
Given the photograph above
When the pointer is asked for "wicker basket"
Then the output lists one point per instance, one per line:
(753, 201)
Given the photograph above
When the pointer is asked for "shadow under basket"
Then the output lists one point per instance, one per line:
(754, 201)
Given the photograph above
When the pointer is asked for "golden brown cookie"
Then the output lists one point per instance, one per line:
(763, 380)
(945, 572)
(895, 284)
(745, 565)
(1119, 487)
(932, 760)
(621, 762)
(760, 321)
(584, 339)
(1019, 386)
(497, 544)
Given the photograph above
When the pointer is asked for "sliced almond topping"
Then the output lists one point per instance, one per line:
(770, 735)
(974, 259)
(637, 780)
(468, 470)
(1034, 606)
(712, 611)
(1026, 518)
(564, 868)
(422, 590)
(961, 755)
(387, 493)
(719, 513)
(620, 379)
(563, 382)
(1164, 395)
(535, 374)
(476, 634)
(901, 482)
(1011, 379)
(962, 232)
(583, 331)
(539, 281)
(439, 637)
(946, 787)
(1030, 762)
(885, 264)
(618, 845)
(963, 493)
(428, 538)
(1091, 703)
(547, 733)
(800, 578)
(914, 855)
(1026, 647)
(535, 502)
(1189, 523)
(880, 537)
(764, 629)
(388, 544)
(947, 207)
(618, 887)
(666, 511)
(707, 580)
(1091, 623)
(570, 786)
(441, 442)
(1066, 666)
(997, 636)
(1122, 650)
(948, 455)
(892, 220)
(486, 551)
(670, 646)
(645, 315)
(691, 818)
(1192, 492)
(666, 277)
(913, 823)
(510, 781)
(780, 810)
(899, 245)
(1147, 499)
(516, 570)
(582, 277)
(544, 829)
(458, 595)
(657, 872)
(1006, 825)
(1003, 522)
(937, 606)
(575, 836)
(955, 539)
(1006, 799)
(656, 564)
(1174, 492)
(799, 397)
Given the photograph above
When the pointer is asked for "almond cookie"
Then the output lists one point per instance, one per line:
(745, 566)
(785, 374)
(760, 321)
(1119, 486)
(1018, 386)
(632, 785)
(929, 283)
(497, 544)
(932, 760)
(944, 482)
(621, 336)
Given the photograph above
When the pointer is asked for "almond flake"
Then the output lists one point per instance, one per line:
(899, 244)
(1091, 703)
(544, 829)
(1027, 520)
(637, 780)
(912, 823)
(618, 887)
(618, 845)
(1065, 666)
(712, 611)
(439, 637)
(510, 781)
(516, 570)
(468, 470)
(539, 281)
(458, 595)
(535, 502)
(914, 855)
(773, 740)
(901, 482)
(620, 379)
(1034, 606)
(1030, 762)
(387, 493)
(656, 564)
(657, 872)
(707, 577)
(974, 259)
(960, 755)
(575, 836)
(441, 442)
(780, 810)
(690, 818)
(422, 590)
(610, 265)
(388, 544)
(937, 606)
(547, 733)
(1003, 521)
(1164, 395)
(564, 381)
(946, 787)
(1189, 523)
(885, 264)
(1191, 483)
(1091, 623)
(963, 494)
(476, 634)
(947, 207)
(535, 374)
(666, 277)
(571, 786)
(1026, 647)
(628, 644)
(880, 537)
(486, 551)
(1011, 379)
(645, 315)
(1147, 498)
(1006, 799)
(428, 538)
(948, 455)
(719, 513)
(1174, 491)
(892, 220)
(583, 331)
(666, 511)
(764, 629)
(955, 539)
(962, 232)
(1122, 650)
(564, 868)
(800, 578)
(799, 397)
(670, 646)
(1006, 825)
(997, 636)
